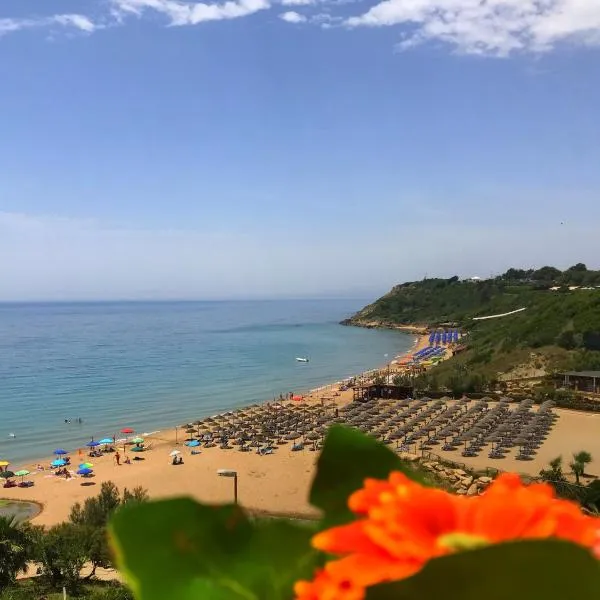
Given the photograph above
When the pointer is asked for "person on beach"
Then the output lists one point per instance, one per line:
(117, 458)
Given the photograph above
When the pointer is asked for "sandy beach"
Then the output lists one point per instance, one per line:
(276, 483)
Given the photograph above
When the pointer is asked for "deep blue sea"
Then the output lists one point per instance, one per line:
(152, 365)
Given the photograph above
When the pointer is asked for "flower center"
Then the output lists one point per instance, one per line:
(458, 542)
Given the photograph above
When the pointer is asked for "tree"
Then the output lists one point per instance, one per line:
(94, 515)
(62, 552)
(577, 469)
(16, 549)
(555, 472)
(583, 457)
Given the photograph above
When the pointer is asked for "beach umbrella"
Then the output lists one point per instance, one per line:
(137, 449)
(107, 441)
(86, 465)
(59, 462)
(92, 444)
(174, 452)
(193, 444)
(60, 452)
(127, 430)
(21, 473)
(85, 472)
(7, 474)
(138, 440)
(4, 463)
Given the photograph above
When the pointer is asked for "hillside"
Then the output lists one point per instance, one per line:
(562, 325)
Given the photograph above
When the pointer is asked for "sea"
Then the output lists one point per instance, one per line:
(70, 372)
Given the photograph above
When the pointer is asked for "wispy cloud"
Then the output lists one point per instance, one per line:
(74, 21)
(485, 27)
(292, 17)
(190, 13)
(298, 2)
(492, 27)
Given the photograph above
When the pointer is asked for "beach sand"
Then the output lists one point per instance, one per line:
(276, 483)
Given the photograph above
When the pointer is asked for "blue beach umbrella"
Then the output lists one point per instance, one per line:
(107, 441)
(92, 444)
(60, 452)
(193, 444)
(59, 462)
(85, 471)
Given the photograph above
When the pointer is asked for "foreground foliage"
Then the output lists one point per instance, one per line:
(194, 551)
(58, 554)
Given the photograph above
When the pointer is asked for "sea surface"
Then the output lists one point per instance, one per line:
(152, 365)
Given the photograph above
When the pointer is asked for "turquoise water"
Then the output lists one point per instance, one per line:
(153, 365)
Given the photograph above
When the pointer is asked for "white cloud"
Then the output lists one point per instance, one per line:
(292, 17)
(297, 2)
(496, 27)
(80, 22)
(191, 13)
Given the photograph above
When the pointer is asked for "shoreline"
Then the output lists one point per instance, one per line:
(287, 471)
(275, 484)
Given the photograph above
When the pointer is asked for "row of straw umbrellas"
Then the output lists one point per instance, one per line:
(407, 424)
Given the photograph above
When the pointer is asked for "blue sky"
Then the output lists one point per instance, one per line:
(263, 148)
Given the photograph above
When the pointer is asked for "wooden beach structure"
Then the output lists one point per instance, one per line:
(582, 381)
(364, 393)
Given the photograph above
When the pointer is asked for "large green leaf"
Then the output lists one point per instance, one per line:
(182, 549)
(525, 570)
(347, 459)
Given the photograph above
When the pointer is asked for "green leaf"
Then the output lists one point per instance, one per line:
(530, 570)
(347, 459)
(182, 549)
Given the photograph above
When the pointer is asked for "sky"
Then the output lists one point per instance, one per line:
(170, 149)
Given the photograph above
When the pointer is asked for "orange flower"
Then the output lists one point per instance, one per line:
(404, 525)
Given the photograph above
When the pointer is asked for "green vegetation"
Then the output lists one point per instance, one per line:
(60, 553)
(588, 496)
(562, 327)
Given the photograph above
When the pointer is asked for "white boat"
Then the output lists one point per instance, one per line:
(300, 359)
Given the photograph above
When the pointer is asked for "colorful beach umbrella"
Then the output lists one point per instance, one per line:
(21, 473)
(107, 441)
(4, 463)
(60, 452)
(138, 440)
(193, 444)
(127, 430)
(86, 465)
(7, 474)
(59, 462)
(85, 472)
(92, 444)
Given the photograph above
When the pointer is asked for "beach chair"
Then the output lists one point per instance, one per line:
(194, 452)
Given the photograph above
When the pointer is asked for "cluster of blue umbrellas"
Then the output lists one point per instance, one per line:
(443, 337)
(59, 462)
(430, 352)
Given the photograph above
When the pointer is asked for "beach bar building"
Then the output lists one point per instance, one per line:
(583, 381)
(363, 393)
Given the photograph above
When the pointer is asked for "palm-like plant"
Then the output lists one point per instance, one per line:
(577, 468)
(583, 458)
(15, 550)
